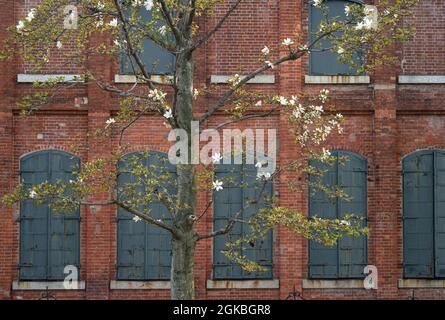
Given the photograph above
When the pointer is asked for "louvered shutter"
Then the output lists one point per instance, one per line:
(348, 257)
(240, 188)
(323, 260)
(352, 178)
(439, 213)
(326, 62)
(144, 251)
(48, 241)
(418, 208)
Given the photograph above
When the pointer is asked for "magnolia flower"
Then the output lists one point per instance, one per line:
(269, 64)
(113, 23)
(148, 4)
(31, 15)
(195, 93)
(99, 23)
(347, 10)
(217, 185)
(136, 219)
(317, 3)
(259, 103)
(156, 95)
(265, 51)
(340, 50)
(263, 175)
(324, 95)
(32, 194)
(100, 5)
(59, 45)
(288, 42)
(168, 114)
(258, 164)
(110, 121)
(345, 223)
(20, 25)
(216, 158)
(325, 154)
(303, 48)
(163, 30)
(283, 101)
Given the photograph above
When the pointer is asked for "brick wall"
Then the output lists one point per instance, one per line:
(383, 123)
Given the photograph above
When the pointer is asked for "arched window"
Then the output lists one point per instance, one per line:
(156, 59)
(348, 257)
(424, 214)
(144, 250)
(239, 189)
(48, 241)
(326, 62)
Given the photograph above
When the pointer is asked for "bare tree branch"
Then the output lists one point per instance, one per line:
(217, 27)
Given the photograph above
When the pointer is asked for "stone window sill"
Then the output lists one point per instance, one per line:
(337, 79)
(30, 78)
(333, 284)
(124, 78)
(260, 79)
(421, 79)
(243, 284)
(44, 285)
(139, 285)
(421, 283)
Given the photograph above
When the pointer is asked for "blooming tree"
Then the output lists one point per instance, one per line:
(118, 29)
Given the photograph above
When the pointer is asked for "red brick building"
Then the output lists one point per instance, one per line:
(389, 115)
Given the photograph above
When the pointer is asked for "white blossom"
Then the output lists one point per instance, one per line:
(317, 3)
(31, 15)
(347, 10)
(156, 95)
(113, 23)
(287, 42)
(259, 164)
(110, 121)
(148, 4)
(100, 5)
(59, 45)
(163, 30)
(195, 93)
(216, 158)
(259, 103)
(136, 219)
(324, 93)
(325, 154)
(340, 50)
(217, 185)
(168, 114)
(269, 64)
(32, 194)
(263, 175)
(265, 51)
(20, 26)
(283, 101)
(344, 223)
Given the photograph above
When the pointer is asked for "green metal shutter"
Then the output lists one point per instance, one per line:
(323, 260)
(352, 178)
(418, 213)
(48, 241)
(143, 251)
(326, 62)
(151, 54)
(439, 213)
(227, 203)
(348, 257)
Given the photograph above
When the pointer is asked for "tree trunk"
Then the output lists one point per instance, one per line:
(182, 271)
(183, 244)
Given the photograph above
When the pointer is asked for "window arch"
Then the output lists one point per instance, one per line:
(143, 250)
(424, 214)
(48, 241)
(239, 188)
(326, 62)
(348, 257)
